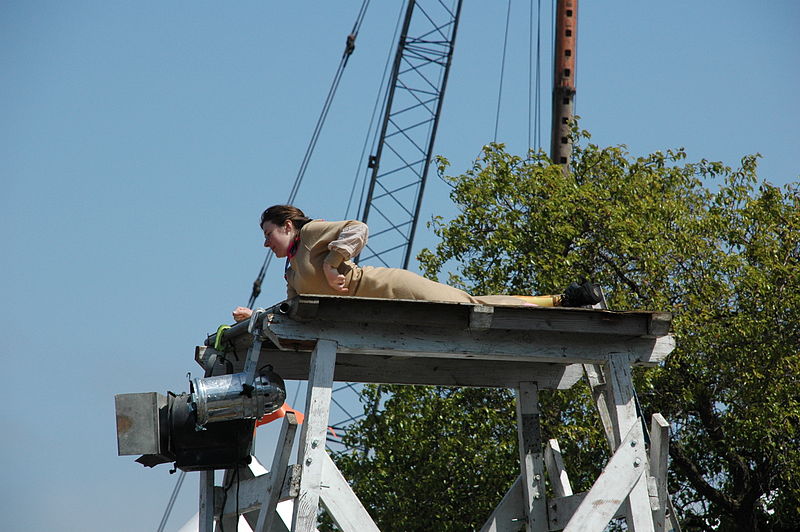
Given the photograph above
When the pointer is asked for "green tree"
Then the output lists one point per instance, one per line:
(726, 262)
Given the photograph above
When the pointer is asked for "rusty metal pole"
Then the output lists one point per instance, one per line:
(564, 81)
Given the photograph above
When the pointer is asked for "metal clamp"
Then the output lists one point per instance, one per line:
(250, 363)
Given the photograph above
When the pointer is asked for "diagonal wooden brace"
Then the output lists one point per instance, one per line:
(269, 505)
(615, 483)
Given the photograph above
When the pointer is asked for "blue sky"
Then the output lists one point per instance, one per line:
(139, 142)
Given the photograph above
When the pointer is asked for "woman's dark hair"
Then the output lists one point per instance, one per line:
(278, 214)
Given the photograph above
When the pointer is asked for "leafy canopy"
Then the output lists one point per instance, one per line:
(725, 261)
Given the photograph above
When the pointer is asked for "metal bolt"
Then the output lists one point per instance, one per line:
(537, 477)
(314, 444)
(637, 463)
(633, 443)
(537, 497)
(308, 461)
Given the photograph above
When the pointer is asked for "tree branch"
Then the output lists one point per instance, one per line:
(739, 471)
(631, 284)
(695, 477)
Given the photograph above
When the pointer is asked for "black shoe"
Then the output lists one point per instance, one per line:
(579, 295)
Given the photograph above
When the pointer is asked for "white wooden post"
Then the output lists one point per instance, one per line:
(312, 437)
(530, 457)
(594, 373)
(559, 479)
(206, 523)
(620, 398)
(659, 455)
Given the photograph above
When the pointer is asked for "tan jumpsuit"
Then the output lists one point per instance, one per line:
(305, 274)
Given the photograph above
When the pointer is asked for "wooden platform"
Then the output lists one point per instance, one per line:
(324, 339)
(456, 344)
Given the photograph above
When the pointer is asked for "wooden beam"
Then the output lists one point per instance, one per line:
(268, 516)
(340, 501)
(312, 437)
(659, 454)
(561, 509)
(530, 457)
(419, 370)
(623, 407)
(206, 519)
(491, 344)
(559, 480)
(510, 513)
(618, 478)
(462, 315)
(594, 374)
(252, 490)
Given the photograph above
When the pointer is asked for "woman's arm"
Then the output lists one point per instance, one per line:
(348, 244)
(241, 313)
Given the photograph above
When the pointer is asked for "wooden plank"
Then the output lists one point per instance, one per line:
(252, 490)
(418, 369)
(372, 310)
(659, 323)
(533, 346)
(510, 513)
(234, 505)
(594, 374)
(312, 437)
(572, 320)
(268, 517)
(619, 390)
(559, 480)
(618, 478)
(620, 394)
(206, 518)
(481, 316)
(561, 509)
(659, 455)
(530, 457)
(459, 315)
(342, 504)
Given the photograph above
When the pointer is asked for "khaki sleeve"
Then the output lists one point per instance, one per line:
(348, 244)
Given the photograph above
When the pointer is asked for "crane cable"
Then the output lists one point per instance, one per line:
(535, 88)
(383, 90)
(534, 76)
(502, 72)
(537, 98)
(171, 502)
(350, 45)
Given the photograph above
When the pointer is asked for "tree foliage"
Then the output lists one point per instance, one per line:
(655, 233)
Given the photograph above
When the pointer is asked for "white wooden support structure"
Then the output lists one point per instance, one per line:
(312, 436)
(559, 480)
(527, 349)
(530, 457)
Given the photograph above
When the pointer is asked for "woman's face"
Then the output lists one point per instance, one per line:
(278, 238)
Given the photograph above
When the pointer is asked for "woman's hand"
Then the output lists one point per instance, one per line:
(336, 280)
(242, 313)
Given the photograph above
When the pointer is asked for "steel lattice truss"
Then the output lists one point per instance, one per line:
(404, 149)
